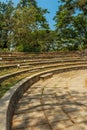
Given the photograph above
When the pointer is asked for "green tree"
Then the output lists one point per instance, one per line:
(27, 3)
(23, 24)
(71, 24)
(82, 5)
(5, 14)
(27, 20)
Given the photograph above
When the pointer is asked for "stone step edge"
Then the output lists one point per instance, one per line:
(8, 101)
(7, 76)
(46, 61)
(38, 63)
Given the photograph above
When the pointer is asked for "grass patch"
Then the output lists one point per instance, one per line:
(11, 70)
(7, 84)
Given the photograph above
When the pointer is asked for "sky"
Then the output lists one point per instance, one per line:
(51, 5)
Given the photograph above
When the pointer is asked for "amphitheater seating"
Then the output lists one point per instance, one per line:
(46, 76)
(43, 64)
(14, 62)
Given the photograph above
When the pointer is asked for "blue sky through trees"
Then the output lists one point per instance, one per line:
(51, 5)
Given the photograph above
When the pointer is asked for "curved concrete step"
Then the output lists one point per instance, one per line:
(5, 77)
(9, 101)
(58, 103)
(41, 63)
(36, 60)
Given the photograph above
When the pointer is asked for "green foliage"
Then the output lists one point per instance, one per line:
(71, 24)
(5, 13)
(83, 5)
(24, 27)
(21, 26)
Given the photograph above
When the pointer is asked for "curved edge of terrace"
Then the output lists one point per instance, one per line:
(8, 101)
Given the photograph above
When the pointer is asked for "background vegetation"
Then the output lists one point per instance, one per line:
(24, 27)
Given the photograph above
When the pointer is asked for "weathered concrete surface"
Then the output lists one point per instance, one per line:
(58, 103)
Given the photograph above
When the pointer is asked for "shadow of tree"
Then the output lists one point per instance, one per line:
(52, 111)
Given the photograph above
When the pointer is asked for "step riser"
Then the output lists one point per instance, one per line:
(15, 94)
